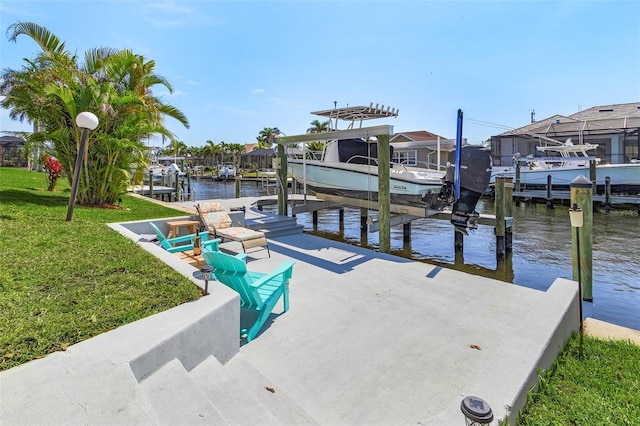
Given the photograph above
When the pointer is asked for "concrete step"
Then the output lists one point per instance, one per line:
(174, 399)
(276, 226)
(236, 404)
(285, 410)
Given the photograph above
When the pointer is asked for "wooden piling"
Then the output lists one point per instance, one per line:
(582, 197)
(238, 182)
(592, 176)
(458, 241)
(384, 194)
(549, 193)
(518, 176)
(150, 183)
(188, 184)
(406, 233)
(508, 211)
(607, 194)
(500, 216)
(364, 215)
(282, 179)
(177, 186)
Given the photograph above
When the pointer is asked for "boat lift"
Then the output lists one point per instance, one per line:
(381, 132)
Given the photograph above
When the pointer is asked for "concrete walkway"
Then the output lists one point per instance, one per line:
(369, 339)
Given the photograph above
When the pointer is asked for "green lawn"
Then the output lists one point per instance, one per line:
(64, 282)
(601, 387)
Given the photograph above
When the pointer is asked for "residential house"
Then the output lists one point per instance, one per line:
(614, 128)
(420, 148)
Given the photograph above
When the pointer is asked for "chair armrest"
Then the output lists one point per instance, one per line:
(211, 245)
(285, 269)
(241, 256)
(182, 239)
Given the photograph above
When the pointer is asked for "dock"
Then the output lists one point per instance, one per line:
(370, 338)
(615, 201)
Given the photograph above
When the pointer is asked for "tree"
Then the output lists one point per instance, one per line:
(265, 137)
(116, 85)
(317, 126)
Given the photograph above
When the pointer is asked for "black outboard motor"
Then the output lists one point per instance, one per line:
(475, 172)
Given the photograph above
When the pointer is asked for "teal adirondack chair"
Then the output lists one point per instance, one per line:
(258, 292)
(169, 244)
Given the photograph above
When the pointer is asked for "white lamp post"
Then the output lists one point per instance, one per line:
(86, 121)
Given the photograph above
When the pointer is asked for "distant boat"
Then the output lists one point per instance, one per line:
(574, 160)
(227, 171)
(349, 168)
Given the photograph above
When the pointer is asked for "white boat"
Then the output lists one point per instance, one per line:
(227, 171)
(349, 168)
(574, 160)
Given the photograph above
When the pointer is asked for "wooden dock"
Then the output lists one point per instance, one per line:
(614, 201)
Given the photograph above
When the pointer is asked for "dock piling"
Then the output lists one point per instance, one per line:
(508, 212)
(607, 194)
(150, 183)
(500, 216)
(582, 259)
(549, 193)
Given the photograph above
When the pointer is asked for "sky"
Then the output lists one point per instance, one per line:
(239, 66)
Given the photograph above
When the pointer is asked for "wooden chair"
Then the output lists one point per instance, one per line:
(217, 221)
(184, 243)
(258, 292)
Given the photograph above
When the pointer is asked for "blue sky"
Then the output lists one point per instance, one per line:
(239, 66)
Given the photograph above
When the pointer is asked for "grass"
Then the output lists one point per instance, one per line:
(601, 387)
(64, 282)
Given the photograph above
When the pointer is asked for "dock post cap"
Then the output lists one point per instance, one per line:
(581, 182)
(476, 411)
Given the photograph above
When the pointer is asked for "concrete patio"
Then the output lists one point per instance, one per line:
(369, 339)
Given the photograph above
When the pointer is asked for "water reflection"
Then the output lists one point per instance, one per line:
(541, 248)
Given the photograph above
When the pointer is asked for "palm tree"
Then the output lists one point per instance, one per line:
(53, 88)
(265, 138)
(317, 126)
(209, 150)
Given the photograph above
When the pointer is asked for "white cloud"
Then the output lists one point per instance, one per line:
(258, 91)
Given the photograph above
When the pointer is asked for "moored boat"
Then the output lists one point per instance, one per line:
(574, 160)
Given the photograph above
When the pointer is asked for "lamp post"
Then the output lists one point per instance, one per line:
(577, 221)
(206, 271)
(86, 121)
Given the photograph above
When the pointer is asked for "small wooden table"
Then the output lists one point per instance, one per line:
(191, 258)
(175, 226)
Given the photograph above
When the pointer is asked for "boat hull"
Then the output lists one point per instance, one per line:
(406, 186)
(624, 177)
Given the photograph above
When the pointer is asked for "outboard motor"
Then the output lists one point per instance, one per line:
(475, 172)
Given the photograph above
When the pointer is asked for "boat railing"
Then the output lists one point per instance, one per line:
(426, 165)
(372, 161)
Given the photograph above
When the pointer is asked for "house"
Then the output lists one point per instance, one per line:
(10, 151)
(614, 128)
(419, 148)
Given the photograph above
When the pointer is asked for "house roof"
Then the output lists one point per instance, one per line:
(420, 135)
(259, 152)
(8, 141)
(601, 119)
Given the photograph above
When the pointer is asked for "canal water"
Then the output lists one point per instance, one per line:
(541, 248)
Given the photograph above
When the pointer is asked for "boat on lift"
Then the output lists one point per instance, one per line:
(349, 167)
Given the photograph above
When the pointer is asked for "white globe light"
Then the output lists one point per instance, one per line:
(87, 120)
